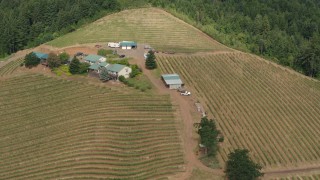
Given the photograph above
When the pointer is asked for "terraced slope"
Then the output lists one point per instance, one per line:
(268, 109)
(57, 129)
(147, 25)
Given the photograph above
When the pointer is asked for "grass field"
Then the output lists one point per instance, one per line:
(59, 129)
(148, 25)
(260, 106)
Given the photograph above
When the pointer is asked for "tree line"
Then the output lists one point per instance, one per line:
(286, 31)
(27, 23)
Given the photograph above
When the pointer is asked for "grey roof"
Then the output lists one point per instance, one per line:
(172, 79)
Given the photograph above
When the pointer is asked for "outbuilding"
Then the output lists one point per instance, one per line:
(43, 57)
(172, 81)
(128, 45)
(92, 59)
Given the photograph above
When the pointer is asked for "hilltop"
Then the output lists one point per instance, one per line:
(153, 26)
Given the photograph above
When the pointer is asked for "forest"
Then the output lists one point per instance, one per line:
(284, 31)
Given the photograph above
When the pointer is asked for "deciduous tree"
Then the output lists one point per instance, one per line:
(240, 167)
(53, 60)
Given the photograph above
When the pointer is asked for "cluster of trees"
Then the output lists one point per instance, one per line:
(26, 23)
(76, 67)
(208, 133)
(286, 31)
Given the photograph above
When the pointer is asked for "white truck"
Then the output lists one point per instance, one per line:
(186, 93)
(113, 44)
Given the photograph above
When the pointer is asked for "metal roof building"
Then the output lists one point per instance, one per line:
(128, 44)
(173, 81)
(94, 58)
(41, 55)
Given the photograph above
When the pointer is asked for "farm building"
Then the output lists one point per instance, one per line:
(128, 45)
(92, 59)
(173, 81)
(120, 70)
(97, 66)
(41, 56)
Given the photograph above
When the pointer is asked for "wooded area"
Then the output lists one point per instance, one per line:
(282, 30)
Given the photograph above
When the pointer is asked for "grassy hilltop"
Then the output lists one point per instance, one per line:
(148, 25)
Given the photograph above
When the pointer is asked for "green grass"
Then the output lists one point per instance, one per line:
(56, 129)
(62, 70)
(147, 25)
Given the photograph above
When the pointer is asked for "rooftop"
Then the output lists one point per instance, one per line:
(128, 43)
(171, 79)
(93, 58)
(94, 67)
(115, 67)
(103, 64)
(41, 55)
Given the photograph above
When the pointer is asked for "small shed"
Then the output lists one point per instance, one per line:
(172, 81)
(94, 59)
(128, 45)
(41, 56)
(120, 70)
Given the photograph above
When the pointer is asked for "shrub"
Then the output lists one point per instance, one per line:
(83, 67)
(64, 57)
(53, 61)
(122, 79)
(135, 71)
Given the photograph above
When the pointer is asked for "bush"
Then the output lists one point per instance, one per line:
(103, 52)
(53, 61)
(122, 79)
(64, 57)
(135, 71)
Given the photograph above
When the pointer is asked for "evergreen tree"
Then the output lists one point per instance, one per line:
(151, 60)
(74, 66)
(240, 167)
(31, 60)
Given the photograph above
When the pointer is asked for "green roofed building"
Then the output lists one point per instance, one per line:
(41, 56)
(172, 81)
(95, 67)
(94, 59)
(128, 45)
(120, 70)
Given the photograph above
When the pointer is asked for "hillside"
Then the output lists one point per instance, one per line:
(147, 25)
(55, 129)
(265, 108)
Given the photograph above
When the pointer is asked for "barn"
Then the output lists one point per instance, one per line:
(92, 59)
(128, 45)
(172, 81)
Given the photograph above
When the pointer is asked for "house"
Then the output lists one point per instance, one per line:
(172, 81)
(120, 70)
(92, 59)
(128, 45)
